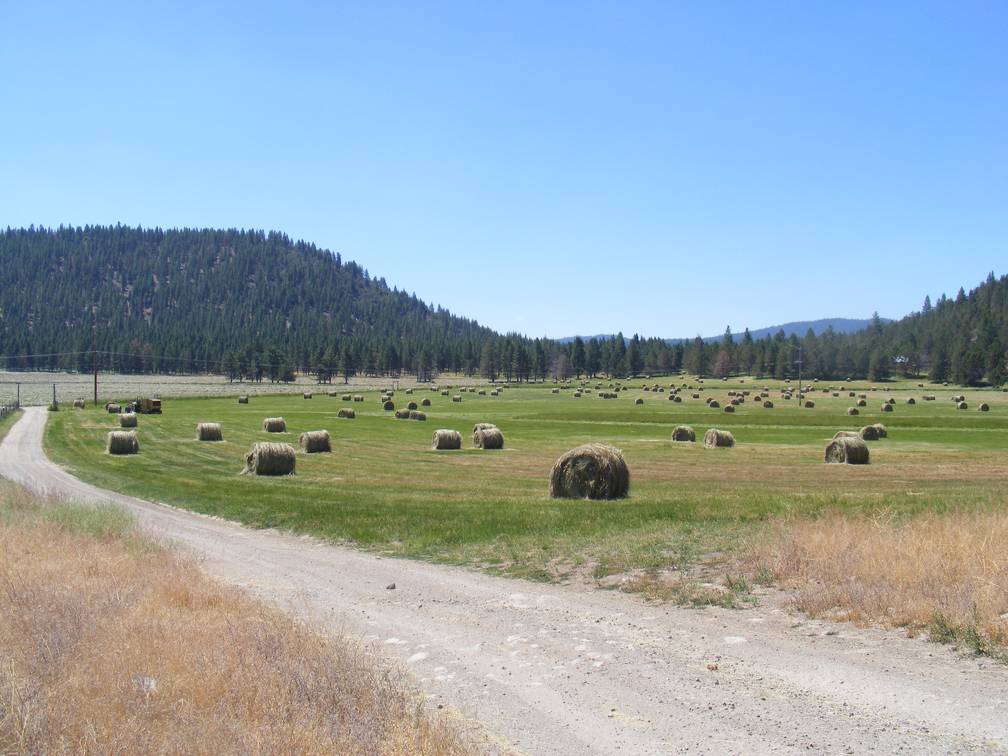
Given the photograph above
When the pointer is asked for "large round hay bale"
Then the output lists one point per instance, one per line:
(333, 394)
(122, 442)
(683, 433)
(851, 394)
(862, 402)
(911, 400)
(388, 405)
(415, 415)
(346, 397)
(714, 404)
(402, 414)
(425, 402)
(638, 400)
(457, 398)
(846, 434)
(768, 404)
(488, 438)
(984, 407)
(677, 399)
(112, 408)
(446, 439)
(962, 405)
(715, 437)
(809, 404)
(275, 425)
(853, 411)
(347, 413)
(555, 391)
(729, 408)
(270, 459)
(869, 433)
(209, 432)
(242, 399)
(592, 471)
(306, 395)
(313, 442)
(128, 420)
(846, 450)
(444, 393)
(890, 400)
(887, 408)
(411, 406)
(78, 404)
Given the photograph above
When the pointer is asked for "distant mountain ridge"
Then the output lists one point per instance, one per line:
(797, 328)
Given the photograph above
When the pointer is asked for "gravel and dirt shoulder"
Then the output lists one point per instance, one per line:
(568, 669)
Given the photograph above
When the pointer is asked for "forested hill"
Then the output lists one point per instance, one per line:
(183, 299)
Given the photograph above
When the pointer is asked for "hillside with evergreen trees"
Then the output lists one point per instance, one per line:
(259, 306)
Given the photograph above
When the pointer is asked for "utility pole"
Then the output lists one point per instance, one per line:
(18, 402)
(798, 362)
(54, 394)
(94, 350)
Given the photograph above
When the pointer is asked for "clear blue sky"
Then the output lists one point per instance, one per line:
(551, 168)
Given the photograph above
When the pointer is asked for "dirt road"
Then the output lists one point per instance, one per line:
(562, 670)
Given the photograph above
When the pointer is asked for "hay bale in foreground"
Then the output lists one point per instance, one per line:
(446, 439)
(715, 437)
(313, 442)
(425, 402)
(683, 433)
(122, 442)
(270, 459)
(592, 471)
(128, 420)
(845, 450)
(346, 412)
(488, 438)
(209, 432)
(275, 425)
(243, 399)
(414, 415)
(984, 407)
(78, 404)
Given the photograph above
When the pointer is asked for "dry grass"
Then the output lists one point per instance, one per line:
(92, 615)
(946, 574)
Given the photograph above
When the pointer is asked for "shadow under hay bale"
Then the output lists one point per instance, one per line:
(715, 437)
(846, 450)
(122, 442)
(592, 471)
(128, 420)
(275, 425)
(446, 439)
(268, 458)
(209, 432)
(347, 413)
(488, 438)
(683, 433)
(314, 442)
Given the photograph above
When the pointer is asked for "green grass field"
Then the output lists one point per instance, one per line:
(383, 488)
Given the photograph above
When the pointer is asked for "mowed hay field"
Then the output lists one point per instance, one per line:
(915, 539)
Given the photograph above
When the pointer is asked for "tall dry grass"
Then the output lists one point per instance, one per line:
(944, 573)
(110, 644)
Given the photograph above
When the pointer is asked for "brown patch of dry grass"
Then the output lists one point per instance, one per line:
(943, 573)
(111, 644)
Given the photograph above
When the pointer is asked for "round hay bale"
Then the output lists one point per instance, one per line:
(275, 425)
(962, 405)
(767, 404)
(411, 406)
(444, 393)
(346, 397)
(112, 408)
(984, 407)
(415, 415)
(488, 438)
(388, 405)
(638, 400)
(881, 430)
(809, 404)
(483, 426)
(890, 400)
(425, 402)
(715, 437)
(446, 439)
(78, 404)
(862, 402)
(242, 399)
(851, 394)
(869, 433)
(694, 396)
(729, 408)
(495, 392)
(209, 432)
(346, 412)
(457, 399)
(409, 391)
(122, 442)
(267, 458)
(306, 395)
(911, 400)
(853, 411)
(358, 397)
(592, 471)
(333, 394)
(846, 434)
(481, 392)
(128, 420)
(402, 414)
(314, 442)
(846, 450)
(714, 404)
(677, 399)
(683, 433)
(887, 408)
(555, 391)
(836, 393)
